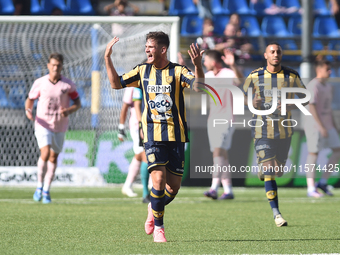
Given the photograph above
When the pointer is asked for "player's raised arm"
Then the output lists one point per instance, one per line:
(111, 71)
(196, 58)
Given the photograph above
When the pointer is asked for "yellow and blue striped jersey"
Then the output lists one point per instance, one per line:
(163, 108)
(263, 82)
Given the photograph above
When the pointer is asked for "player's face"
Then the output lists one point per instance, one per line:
(54, 68)
(208, 63)
(153, 51)
(273, 55)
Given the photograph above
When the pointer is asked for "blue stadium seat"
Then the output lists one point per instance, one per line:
(251, 26)
(217, 8)
(259, 7)
(219, 24)
(182, 8)
(49, 5)
(192, 26)
(288, 3)
(237, 6)
(17, 96)
(325, 26)
(289, 44)
(320, 8)
(6, 7)
(79, 7)
(317, 45)
(274, 26)
(36, 8)
(3, 98)
(295, 25)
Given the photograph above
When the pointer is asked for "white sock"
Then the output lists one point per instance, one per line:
(40, 185)
(46, 187)
(215, 184)
(228, 189)
(133, 171)
(311, 189)
(159, 227)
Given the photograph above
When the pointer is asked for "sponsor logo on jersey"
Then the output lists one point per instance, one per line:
(162, 103)
(159, 88)
(146, 79)
(161, 117)
(262, 146)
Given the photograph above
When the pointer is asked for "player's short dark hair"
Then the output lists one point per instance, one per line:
(56, 56)
(273, 43)
(322, 62)
(160, 37)
(215, 55)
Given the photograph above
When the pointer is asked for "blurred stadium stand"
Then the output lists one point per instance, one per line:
(258, 27)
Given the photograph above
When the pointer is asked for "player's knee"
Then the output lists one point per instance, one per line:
(173, 189)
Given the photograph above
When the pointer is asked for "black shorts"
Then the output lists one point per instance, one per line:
(267, 149)
(168, 154)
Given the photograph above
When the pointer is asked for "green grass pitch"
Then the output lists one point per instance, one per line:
(103, 221)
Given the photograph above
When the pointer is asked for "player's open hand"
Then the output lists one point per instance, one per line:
(257, 101)
(195, 54)
(64, 112)
(108, 50)
(228, 58)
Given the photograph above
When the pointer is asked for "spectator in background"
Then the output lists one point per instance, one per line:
(57, 12)
(239, 46)
(22, 7)
(236, 21)
(335, 10)
(121, 8)
(203, 7)
(206, 41)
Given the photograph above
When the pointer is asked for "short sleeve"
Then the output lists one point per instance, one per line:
(313, 89)
(130, 79)
(73, 91)
(247, 84)
(35, 90)
(187, 78)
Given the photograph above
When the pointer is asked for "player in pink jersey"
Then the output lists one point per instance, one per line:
(220, 136)
(320, 129)
(54, 93)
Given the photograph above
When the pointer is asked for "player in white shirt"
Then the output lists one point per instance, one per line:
(54, 92)
(220, 136)
(320, 129)
(137, 161)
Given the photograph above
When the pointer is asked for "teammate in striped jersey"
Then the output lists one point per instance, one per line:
(271, 137)
(163, 118)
